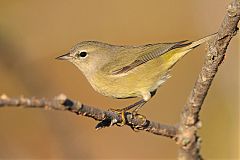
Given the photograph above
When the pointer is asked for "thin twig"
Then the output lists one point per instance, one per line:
(188, 139)
(106, 118)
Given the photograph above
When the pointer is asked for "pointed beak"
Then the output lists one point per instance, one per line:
(64, 57)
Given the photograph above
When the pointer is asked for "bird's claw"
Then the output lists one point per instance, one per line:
(118, 111)
(140, 118)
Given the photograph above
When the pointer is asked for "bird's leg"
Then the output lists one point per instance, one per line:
(138, 107)
(135, 111)
(123, 110)
(137, 104)
(134, 114)
(139, 116)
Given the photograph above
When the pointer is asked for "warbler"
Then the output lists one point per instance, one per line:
(128, 71)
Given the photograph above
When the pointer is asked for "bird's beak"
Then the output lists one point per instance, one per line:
(64, 57)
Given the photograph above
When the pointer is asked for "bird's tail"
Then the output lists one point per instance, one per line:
(194, 44)
(183, 48)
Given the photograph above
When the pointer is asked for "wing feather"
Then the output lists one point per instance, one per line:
(165, 47)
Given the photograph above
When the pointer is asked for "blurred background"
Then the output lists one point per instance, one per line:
(33, 33)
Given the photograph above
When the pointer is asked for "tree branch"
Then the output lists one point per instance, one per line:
(106, 118)
(187, 138)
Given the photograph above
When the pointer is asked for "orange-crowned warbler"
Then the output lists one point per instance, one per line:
(128, 71)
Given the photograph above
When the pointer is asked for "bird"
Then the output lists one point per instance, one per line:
(128, 71)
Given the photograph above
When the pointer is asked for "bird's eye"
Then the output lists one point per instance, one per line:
(82, 54)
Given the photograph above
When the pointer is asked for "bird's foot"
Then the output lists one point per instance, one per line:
(119, 111)
(141, 119)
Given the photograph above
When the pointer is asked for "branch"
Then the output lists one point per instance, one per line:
(106, 118)
(188, 139)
